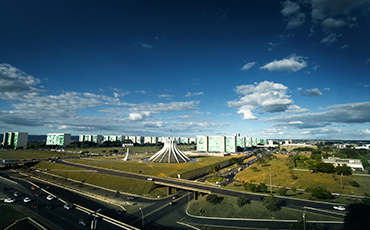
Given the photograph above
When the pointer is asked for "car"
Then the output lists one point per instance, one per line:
(34, 205)
(82, 222)
(150, 179)
(9, 200)
(175, 197)
(50, 206)
(218, 182)
(130, 198)
(335, 194)
(37, 193)
(146, 222)
(34, 187)
(341, 208)
(26, 200)
(171, 203)
(118, 211)
(16, 194)
(50, 197)
(67, 206)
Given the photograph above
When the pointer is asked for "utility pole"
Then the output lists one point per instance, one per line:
(270, 185)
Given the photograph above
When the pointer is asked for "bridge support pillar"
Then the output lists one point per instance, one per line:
(168, 190)
(195, 195)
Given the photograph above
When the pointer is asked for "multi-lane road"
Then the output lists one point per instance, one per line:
(159, 213)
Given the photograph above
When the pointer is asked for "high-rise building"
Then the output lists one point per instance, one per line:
(92, 138)
(61, 139)
(17, 139)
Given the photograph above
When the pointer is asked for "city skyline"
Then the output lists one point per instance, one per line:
(271, 69)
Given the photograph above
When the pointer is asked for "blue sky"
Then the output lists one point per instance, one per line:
(267, 69)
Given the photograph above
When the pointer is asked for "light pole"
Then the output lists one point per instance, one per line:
(270, 185)
(142, 217)
(304, 224)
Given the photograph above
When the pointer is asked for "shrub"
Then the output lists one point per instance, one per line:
(214, 199)
(319, 192)
(242, 201)
(354, 183)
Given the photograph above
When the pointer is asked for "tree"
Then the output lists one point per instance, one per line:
(345, 170)
(237, 160)
(365, 162)
(319, 192)
(282, 191)
(354, 183)
(213, 169)
(271, 203)
(214, 199)
(242, 201)
(262, 187)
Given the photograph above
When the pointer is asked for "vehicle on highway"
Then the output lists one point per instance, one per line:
(335, 194)
(82, 222)
(150, 179)
(175, 197)
(26, 200)
(16, 194)
(118, 211)
(34, 205)
(130, 198)
(50, 206)
(67, 206)
(34, 187)
(341, 208)
(37, 193)
(9, 200)
(171, 203)
(50, 197)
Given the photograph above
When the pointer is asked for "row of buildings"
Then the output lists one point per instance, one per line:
(18, 139)
(204, 143)
(228, 143)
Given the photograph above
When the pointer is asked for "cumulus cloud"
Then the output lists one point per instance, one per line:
(188, 94)
(292, 13)
(248, 65)
(351, 113)
(264, 96)
(289, 64)
(165, 96)
(312, 92)
(88, 112)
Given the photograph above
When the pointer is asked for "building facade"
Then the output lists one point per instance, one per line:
(17, 139)
(61, 139)
(92, 138)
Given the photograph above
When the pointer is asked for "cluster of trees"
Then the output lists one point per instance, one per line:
(319, 192)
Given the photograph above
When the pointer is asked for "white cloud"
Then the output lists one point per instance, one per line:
(332, 23)
(351, 113)
(265, 96)
(296, 109)
(188, 94)
(289, 64)
(314, 92)
(146, 46)
(165, 95)
(292, 13)
(330, 38)
(14, 83)
(328, 89)
(140, 91)
(248, 65)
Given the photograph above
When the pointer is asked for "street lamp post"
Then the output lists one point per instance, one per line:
(304, 220)
(270, 185)
(142, 217)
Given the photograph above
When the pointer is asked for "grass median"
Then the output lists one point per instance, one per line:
(228, 208)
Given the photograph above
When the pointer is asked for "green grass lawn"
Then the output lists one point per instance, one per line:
(8, 215)
(228, 208)
(30, 154)
(281, 176)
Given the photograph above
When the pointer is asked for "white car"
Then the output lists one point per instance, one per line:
(50, 197)
(26, 200)
(9, 200)
(67, 206)
(150, 179)
(341, 208)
